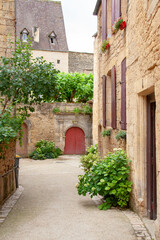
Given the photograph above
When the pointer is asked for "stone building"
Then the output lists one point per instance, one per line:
(7, 26)
(7, 156)
(65, 128)
(126, 94)
(43, 22)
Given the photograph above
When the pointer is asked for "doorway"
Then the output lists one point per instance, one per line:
(151, 158)
(74, 141)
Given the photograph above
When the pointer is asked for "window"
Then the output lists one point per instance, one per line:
(24, 35)
(116, 10)
(52, 37)
(58, 61)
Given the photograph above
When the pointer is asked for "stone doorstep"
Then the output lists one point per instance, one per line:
(140, 230)
(9, 204)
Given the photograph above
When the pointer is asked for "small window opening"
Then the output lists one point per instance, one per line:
(52, 36)
(58, 61)
(24, 35)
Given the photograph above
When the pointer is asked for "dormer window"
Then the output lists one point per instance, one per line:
(24, 35)
(52, 37)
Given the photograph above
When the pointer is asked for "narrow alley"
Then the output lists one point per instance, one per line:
(50, 208)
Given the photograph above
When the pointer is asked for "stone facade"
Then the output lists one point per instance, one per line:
(7, 171)
(47, 125)
(103, 64)
(143, 79)
(68, 61)
(7, 26)
(7, 35)
(50, 20)
(80, 62)
(139, 44)
(40, 19)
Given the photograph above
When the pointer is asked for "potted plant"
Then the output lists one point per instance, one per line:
(119, 24)
(105, 45)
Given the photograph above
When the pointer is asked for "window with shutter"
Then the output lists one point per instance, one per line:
(113, 98)
(123, 94)
(104, 20)
(104, 99)
(116, 10)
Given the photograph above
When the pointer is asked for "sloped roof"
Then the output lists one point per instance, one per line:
(98, 4)
(48, 17)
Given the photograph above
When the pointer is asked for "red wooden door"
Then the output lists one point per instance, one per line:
(74, 141)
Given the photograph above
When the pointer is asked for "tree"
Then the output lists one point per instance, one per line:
(23, 82)
(73, 87)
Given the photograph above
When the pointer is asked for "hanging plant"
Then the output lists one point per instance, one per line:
(105, 45)
(119, 24)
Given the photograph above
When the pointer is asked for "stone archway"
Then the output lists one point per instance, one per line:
(23, 150)
(74, 141)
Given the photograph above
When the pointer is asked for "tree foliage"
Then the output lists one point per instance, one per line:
(23, 82)
(73, 87)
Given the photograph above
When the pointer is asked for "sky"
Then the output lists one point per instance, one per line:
(80, 24)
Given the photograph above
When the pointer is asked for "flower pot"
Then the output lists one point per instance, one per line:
(122, 25)
(108, 46)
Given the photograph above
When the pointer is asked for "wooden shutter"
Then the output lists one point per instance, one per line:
(113, 100)
(104, 99)
(113, 11)
(123, 94)
(104, 20)
(116, 10)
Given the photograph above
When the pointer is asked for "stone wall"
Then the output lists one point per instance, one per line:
(7, 26)
(58, 58)
(7, 171)
(143, 78)
(103, 63)
(47, 125)
(7, 35)
(80, 62)
(139, 43)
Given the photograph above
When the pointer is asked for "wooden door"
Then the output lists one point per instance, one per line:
(74, 141)
(151, 161)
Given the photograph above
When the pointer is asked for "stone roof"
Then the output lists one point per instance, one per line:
(98, 4)
(44, 17)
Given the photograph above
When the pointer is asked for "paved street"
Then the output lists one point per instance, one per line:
(50, 208)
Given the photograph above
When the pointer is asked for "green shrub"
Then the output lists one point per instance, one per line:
(77, 110)
(92, 157)
(56, 110)
(45, 149)
(108, 178)
(121, 134)
(87, 109)
(106, 133)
